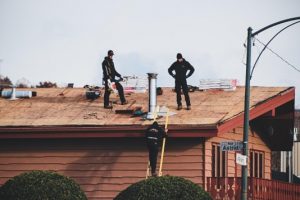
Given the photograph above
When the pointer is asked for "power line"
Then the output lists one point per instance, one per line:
(280, 57)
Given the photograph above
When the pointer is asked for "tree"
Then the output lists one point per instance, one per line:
(5, 81)
(47, 84)
(23, 83)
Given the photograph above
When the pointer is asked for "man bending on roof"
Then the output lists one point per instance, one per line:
(154, 135)
(109, 75)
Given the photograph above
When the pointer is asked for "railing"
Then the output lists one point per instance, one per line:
(229, 188)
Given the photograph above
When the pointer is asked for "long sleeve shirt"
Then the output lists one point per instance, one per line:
(181, 69)
(109, 71)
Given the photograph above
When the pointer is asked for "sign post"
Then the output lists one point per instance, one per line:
(241, 159)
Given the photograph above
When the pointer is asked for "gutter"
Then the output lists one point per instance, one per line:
(122, 131)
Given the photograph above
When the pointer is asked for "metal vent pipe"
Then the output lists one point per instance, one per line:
(152, 77)
(13, 93)
(17, 94)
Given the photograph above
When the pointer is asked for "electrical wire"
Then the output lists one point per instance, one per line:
(280, 57)
(266, 45)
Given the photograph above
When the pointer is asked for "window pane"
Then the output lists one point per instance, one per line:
(261, 165)
(256, 164)
(224, 162)
(251, 164)
(218, 162)
(213, 161)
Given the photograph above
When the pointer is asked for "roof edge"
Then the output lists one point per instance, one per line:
(258, 109)
(45, 132)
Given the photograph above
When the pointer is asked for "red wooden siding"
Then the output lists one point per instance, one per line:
(103, 167)
(234, 170)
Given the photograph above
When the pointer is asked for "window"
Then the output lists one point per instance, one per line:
(219, 161)
(257, 164)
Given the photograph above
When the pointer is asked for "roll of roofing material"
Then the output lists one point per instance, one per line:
(19, 94)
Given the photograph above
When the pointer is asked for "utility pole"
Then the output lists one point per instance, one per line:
(246, 115)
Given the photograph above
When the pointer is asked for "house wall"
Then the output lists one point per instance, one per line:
(103, 167)
(296, 149)
(296, 159)
(233, 169)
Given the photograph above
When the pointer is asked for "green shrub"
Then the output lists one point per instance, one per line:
(41, 185)
(164, 188)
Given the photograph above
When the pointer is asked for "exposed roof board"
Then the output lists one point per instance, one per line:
(210, 109)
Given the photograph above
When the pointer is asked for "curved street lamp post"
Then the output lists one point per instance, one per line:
(247, 95)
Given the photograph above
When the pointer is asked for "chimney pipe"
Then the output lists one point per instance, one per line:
(152, 77)
(13, 93)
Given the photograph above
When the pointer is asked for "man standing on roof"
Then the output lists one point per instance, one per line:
(109, 75)
(181, 66)
(154, 135)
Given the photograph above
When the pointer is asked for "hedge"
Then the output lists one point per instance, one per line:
(164, 188)
(41, 185)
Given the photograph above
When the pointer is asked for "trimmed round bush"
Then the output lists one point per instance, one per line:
(41, 185)
(164, 188)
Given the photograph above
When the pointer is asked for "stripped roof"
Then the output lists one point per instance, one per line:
(210, 108)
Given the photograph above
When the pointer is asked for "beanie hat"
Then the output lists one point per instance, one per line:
(110, 53)
(179, 56)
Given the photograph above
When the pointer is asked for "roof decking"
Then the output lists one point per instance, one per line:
(210, 109)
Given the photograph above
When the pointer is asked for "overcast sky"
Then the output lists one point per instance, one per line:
(65, 41)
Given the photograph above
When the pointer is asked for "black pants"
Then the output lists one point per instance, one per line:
(153, 151)
(182, 84)
(107, 93)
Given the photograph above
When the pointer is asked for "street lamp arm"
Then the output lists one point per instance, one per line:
(274, 24)
(268, 44)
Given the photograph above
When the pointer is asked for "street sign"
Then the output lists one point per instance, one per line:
(231, 146)
(241, 159)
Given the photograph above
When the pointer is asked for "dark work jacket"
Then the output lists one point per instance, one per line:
(109, 71)
(181, 69)
(155, 133)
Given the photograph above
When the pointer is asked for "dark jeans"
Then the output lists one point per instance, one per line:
(153, 151)
(107, 93)
(182, 84)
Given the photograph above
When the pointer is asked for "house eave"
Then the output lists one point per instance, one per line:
(45, 132)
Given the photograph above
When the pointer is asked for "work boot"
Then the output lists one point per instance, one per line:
(188, 107)
(179, 107)
(108, 107)
(154, 174)
(124, 103)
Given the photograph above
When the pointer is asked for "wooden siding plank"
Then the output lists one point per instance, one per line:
(102, 170)
(95, 159)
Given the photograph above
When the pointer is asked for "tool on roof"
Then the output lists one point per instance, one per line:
(92, 92)
(134, 84)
